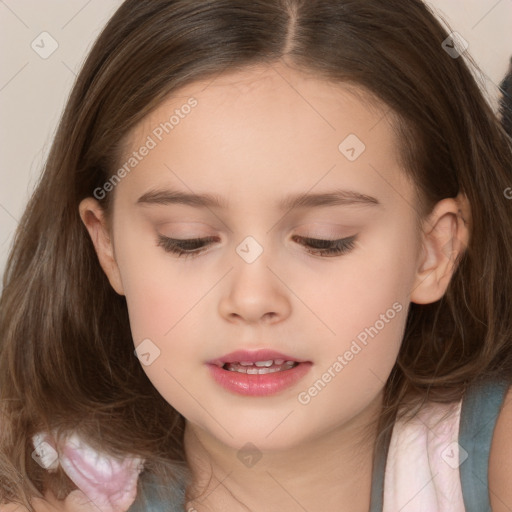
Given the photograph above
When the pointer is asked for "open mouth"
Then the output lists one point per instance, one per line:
(260, 372)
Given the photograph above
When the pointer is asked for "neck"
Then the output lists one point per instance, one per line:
(330, 470)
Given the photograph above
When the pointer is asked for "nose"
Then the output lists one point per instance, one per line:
(255, 293)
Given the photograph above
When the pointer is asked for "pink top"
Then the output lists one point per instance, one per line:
(422, 470)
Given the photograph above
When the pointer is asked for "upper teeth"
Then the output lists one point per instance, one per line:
(260, 367)
(262, 364)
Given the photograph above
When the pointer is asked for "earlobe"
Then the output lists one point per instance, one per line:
(444, 239)
(93, 217)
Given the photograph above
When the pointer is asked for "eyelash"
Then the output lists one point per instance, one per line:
(324, 248)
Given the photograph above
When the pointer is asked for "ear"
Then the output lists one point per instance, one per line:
(93, 216)
(445, 236)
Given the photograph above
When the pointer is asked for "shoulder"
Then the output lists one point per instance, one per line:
(500, 459)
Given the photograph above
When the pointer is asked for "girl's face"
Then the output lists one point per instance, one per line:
(287, 158)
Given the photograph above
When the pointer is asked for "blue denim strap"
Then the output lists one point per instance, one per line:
(378, 471)
(154, 497)
(480, 409)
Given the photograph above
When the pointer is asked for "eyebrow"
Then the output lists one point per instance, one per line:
(336, 197)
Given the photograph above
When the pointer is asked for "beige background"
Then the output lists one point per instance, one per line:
(33, 90)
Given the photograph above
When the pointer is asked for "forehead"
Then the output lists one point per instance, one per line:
(269, 94)
(268, 125)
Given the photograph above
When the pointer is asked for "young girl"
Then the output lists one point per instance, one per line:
(267, 267)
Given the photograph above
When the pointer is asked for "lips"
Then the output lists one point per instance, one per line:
(257, 373)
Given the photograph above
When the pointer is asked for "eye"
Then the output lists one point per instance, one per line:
(187, 247)
(328, 247)
(195, 246)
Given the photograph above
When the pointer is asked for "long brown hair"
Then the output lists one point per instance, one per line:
(66, 352)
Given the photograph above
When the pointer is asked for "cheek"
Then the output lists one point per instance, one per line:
(160, 300)
(364, 303)
(158, 292)
(365, 306)
(353, 294)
